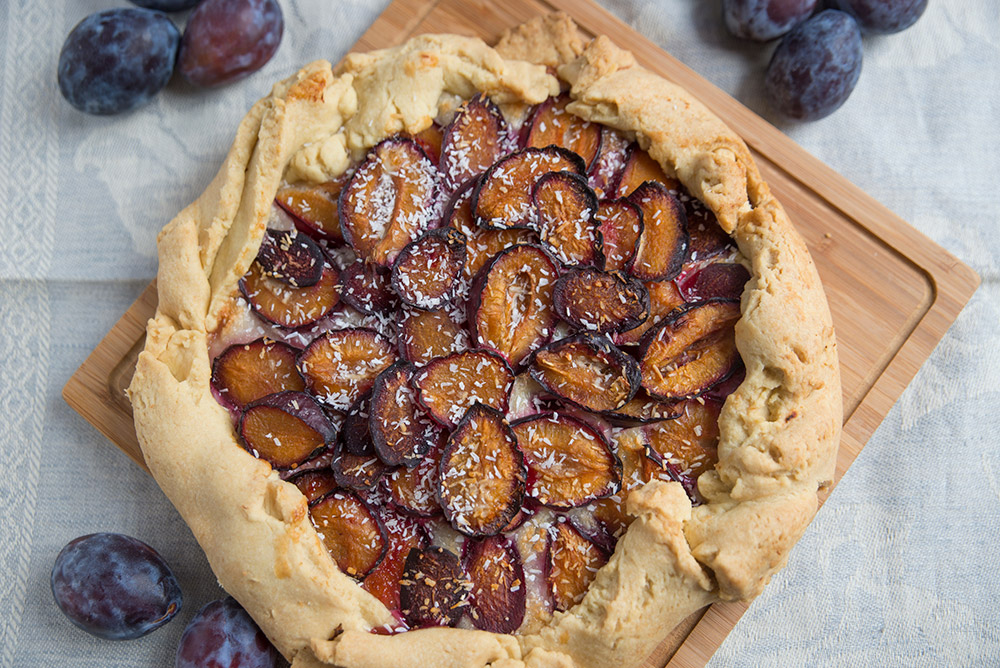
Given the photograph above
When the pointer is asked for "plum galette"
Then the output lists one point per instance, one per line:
(475, 356)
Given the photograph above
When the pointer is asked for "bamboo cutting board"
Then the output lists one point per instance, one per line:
(893, 292)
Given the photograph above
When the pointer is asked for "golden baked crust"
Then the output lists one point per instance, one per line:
(779, 429)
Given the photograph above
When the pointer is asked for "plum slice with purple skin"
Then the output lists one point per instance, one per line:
(510, 303)
(599, 301)
(424, 335)
(588, 371)
(619, 222)
(498, 595)
(358, 472)
(354, 437)
(502, 196)
(481, 244)
(367, 288)
(245, 372)
(351, 531)
(287, 306)
(573, 564)
(569, 463)
(686, 446)
(639, 168)
(433, 590)
(551, 123)
(644, 409)
(404, 535)
(391, 199)
(707, 238)
(690, 351)
(285, 428)
(482, 475)
(414, 490)
(430, 140)
(664, 297)
(718, 280)
(341, 366)
(292, 258)
(427, 272)
(477, 137)
(313, 208)
(314, 484)
(565, 209)
(448, 386)
(663, 243)
(605, 172)
(400, 430)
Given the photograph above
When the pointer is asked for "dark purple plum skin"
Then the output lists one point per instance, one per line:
(114, 586)
(883, 16)
(166, 5)
(226, 40)
(223, 634)
(764, 20)
(117, 60)
(816, 66)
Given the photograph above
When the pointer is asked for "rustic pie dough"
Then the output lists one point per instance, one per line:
(779, 430)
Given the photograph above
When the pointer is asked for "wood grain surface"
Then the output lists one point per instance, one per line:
(892, 291)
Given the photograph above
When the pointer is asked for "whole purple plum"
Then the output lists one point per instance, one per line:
(226, 40)
(883, 16)
(223, 635)
(764, 20)
(114, 586)
(815, 67)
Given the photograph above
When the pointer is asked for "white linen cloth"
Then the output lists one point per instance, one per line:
(899, 567)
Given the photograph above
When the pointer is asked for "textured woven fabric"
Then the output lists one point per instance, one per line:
(897, 569)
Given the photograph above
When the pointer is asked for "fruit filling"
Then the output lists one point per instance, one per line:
(470, 348)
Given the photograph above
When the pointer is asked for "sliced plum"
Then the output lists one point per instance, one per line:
(498, 594)
(587, 370)
(599, 301)
(551, 124)
(481, 244)
(354, 437)
(290, 257)
(286, 306)
(246, 372)
(620, 224)
(285, 428)
(502, 197)
(565, 209)
(448, 386)
(569, 463)
(605, 172)
(639, 168)
(430, 140)
(341, 366)
(314, 484)
(573, 565)
(643, 408)
(691, 350)
(688, 445)
(708, 239)
(400, 430)
(477, 137)
(433, 590)
(664, 240)
(427, 272)
(367, 288)
(313, 207)
(510, 304)
(358, 472)
(481, 474)
(718, 280)
(390, 200)
(351, 531)
(664, 297)
(424, 335)
(414, 490)
(404, 534)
